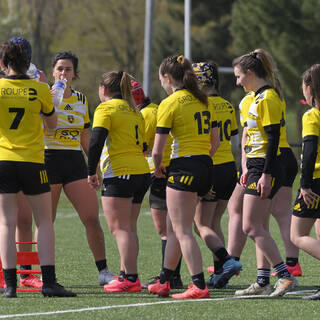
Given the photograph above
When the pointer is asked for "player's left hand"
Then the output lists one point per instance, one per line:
(264, 185)
(94, 181)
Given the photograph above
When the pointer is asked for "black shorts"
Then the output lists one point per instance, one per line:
(191, 174)
(289, 167)
(29, 177)
(255, 167)
(127, 186)
(300, 209)
(239, 173)
(158, 187)
(65, 166)
(224, 179)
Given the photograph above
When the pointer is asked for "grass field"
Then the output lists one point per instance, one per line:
(76, 270)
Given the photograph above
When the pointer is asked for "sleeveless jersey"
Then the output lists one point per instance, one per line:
(21, 102)
(311, 127)
(123, 151)
(73, 117)
(225, 116)
(266, 109)
(189, 121)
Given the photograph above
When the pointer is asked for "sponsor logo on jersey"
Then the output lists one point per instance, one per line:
(71, 118)
(19, 93)
(186, 99)
(68, 107)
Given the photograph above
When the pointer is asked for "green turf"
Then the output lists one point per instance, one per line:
(76, 270)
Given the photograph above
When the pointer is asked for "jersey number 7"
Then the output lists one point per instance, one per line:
(17, 119)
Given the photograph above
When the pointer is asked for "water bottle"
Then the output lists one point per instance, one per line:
(33, 72)
(58, 89)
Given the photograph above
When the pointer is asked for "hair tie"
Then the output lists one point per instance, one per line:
(120, 74)
(255, 55)
(179, 59)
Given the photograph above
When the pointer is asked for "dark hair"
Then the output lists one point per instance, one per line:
(119, 83)
(262, 64)
(180, 69)
(311, 77)
(67, 55)
(16, 54)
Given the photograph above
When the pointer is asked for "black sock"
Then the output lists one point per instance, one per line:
(131, 277)
(176, 272)
(217, 266)
(198, 280)
(165, 275)
(282, 271)
(101, 264)
(163, 247)
(236, 258)
(222, 254)
(25, 267)
(10, 276)
(291, 262)
(48, 275)
(122, 274)
(263, 277)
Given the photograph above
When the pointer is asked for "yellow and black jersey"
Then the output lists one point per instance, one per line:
(73, 117)
(21, 102)
(283, 143)
(225, 116)
(150, 116)
(149, 113)
(123, 150)
(265, 110)
(189, 121)
(311, 127)
(244, 107)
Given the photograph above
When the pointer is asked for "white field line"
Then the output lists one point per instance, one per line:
(35, 314)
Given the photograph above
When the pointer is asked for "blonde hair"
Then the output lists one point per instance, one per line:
(263, 65)
(119, 83)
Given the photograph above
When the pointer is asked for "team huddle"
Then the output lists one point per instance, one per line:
(180, 151)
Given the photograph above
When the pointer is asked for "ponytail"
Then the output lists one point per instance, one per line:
(126, 90)
(263, 65)
(180, 69)
(118, 83)
(271, 69)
